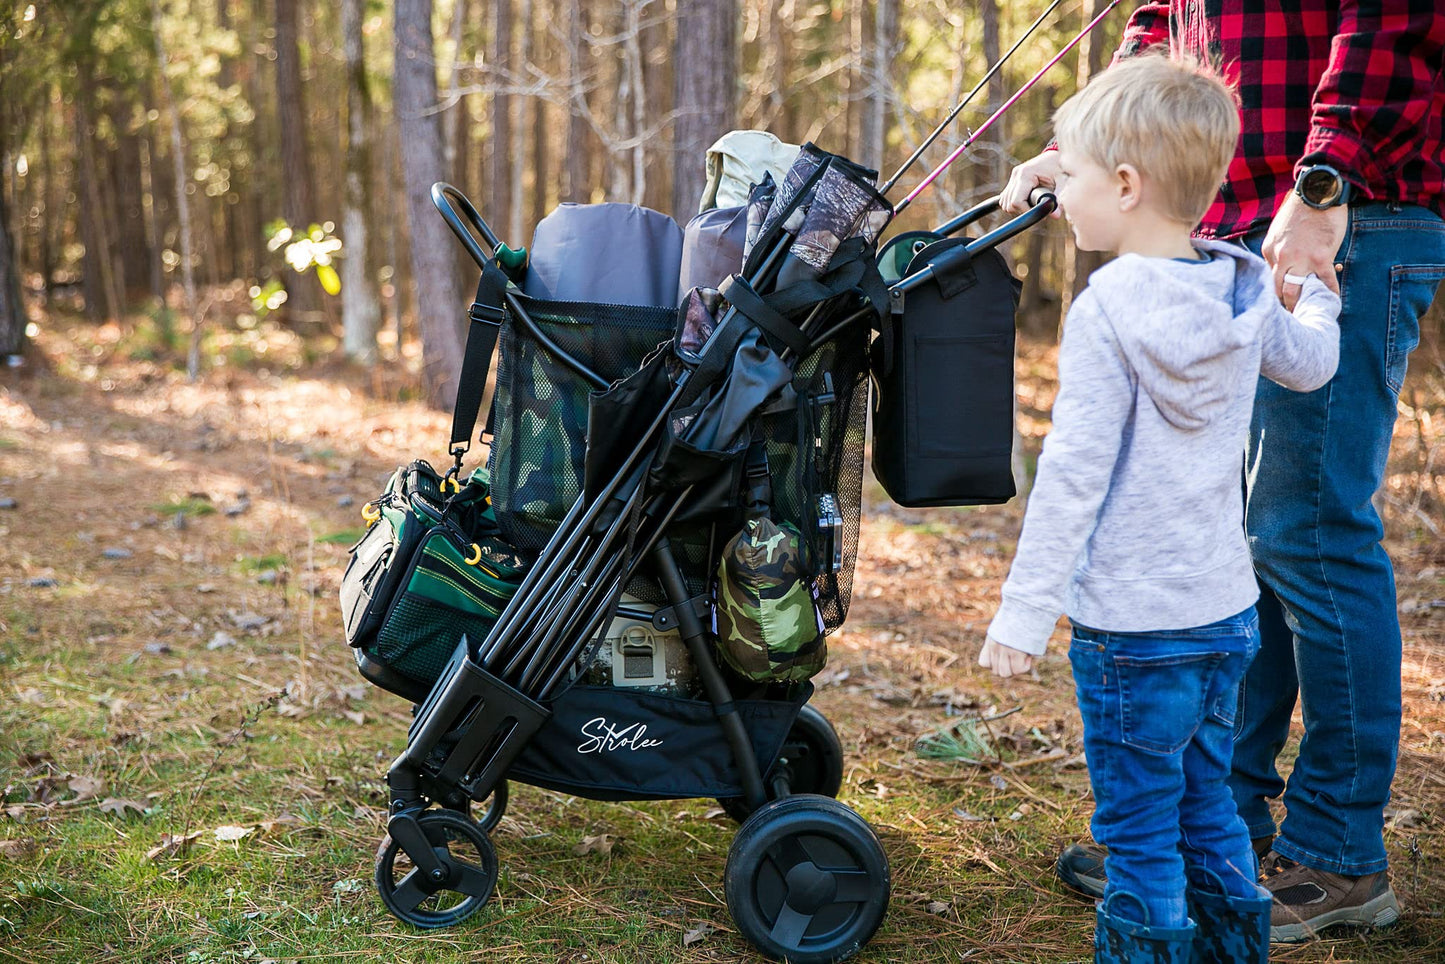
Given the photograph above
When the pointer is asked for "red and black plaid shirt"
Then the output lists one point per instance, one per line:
(1338, 82)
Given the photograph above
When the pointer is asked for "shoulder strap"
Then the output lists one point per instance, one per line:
(484, 322)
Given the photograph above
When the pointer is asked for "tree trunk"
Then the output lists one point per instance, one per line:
(704, 93)
(500, 180)
(579, 182)
(541, 124)
(879, 72)
(303, 291)
(102, 297)
(12, 311)
(183, 210)
(454, 123)
(432, 252)
(516, 202)
(360, 310)
(1094, 52)
(134, 252)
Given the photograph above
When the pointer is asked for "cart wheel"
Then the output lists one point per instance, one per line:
(467, 858)
(812, 758)
(807, 880)
(496, 803)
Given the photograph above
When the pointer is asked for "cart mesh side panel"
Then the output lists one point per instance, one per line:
(539, 417)
(818, 450)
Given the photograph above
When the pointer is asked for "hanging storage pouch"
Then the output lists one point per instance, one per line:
(943, 399)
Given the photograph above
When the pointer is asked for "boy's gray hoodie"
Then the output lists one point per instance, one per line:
(1136, 522)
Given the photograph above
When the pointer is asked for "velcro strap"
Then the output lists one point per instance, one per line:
(751, 305)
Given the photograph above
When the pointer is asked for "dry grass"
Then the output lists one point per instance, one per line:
(168, 670)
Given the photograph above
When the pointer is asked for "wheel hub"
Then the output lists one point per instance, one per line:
(810, 889)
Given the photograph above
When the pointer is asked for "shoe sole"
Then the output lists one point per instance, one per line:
(1380, 912)
(1092, 887)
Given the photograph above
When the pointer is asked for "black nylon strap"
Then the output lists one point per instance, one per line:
(747, 301)
(484, 324)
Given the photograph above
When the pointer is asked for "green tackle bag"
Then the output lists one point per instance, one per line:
(429, 570)
(767, 621)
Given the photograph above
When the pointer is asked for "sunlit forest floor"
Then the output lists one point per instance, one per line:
(192, 769)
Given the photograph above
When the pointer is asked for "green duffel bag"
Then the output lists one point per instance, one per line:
(429, 570)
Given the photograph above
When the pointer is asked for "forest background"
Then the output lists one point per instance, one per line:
(228, 311)
(217, 162)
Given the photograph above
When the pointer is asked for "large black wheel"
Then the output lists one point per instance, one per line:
(468, 872)
(811, 761)
(807, 880)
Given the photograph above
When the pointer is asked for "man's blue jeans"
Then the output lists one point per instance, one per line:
(1328, 625)
(1159, 715)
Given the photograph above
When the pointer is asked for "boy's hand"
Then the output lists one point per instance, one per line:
(1041, 171)
(1300, 242)
(1004, 660)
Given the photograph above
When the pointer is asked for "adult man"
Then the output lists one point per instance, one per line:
(1340, 172)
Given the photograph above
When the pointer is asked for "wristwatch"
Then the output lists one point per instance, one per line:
(1321, 186)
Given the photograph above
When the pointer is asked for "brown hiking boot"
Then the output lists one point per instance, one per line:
(1081, 866)
(1306, 900)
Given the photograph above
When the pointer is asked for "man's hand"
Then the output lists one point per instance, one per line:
(1040, 171)
(1303, 241)
(1003, 660)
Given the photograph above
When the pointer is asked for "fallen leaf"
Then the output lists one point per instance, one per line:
(119, 807)
(698, 933)
(355, 716)
(85, 788)
(715, 813)
(348, 886)
(283, 820)
(21, 849)
(172, 845)
(600, 844)
(938, 907)
(231, 833)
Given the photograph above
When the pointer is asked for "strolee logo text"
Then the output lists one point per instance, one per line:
(602, 737)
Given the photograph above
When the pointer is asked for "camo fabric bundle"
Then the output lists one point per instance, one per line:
(768, 626)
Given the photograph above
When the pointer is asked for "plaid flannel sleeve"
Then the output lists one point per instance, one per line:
(1148, 25)
(1372, 98)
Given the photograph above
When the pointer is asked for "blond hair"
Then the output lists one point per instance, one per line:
(1172, 118)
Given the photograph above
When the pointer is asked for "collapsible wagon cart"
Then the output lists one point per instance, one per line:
(627, 603)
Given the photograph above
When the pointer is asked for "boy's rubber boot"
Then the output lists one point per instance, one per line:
(1229, 930)
(1118, 940)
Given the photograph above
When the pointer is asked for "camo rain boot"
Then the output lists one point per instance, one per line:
(1118, 940)
(1229, 930)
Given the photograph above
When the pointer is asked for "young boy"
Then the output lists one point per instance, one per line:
(1135, 527)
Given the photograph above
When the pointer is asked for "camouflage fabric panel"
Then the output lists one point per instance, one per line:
(1230, 928)
(540, 409)
(767, 623)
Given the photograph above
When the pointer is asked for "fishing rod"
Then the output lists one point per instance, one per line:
(958, 151)
(888, 185)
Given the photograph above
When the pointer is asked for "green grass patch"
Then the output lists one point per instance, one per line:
(345, 537)
(273, 560)
(188, 505)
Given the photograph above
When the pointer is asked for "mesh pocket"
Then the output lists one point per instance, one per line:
(420, 635)
(539, 418)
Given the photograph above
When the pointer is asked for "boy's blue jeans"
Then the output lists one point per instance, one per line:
(1159, 715)
(1328, 624)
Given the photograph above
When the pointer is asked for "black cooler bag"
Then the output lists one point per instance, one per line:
(944, 383)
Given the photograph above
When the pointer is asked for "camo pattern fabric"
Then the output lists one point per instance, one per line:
(1119, 941)
(1230, 929)
(768, 627)
(539, 414)
(845, 205)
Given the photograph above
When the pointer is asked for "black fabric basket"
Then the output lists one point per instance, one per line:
(539, 411)
(943, 408)
(691, 758)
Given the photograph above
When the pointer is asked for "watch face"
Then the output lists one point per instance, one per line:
(1321, 186)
